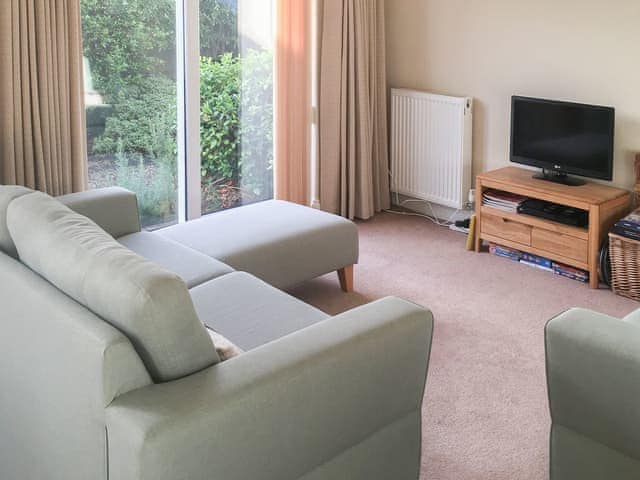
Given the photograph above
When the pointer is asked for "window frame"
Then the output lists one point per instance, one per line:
(188, 107)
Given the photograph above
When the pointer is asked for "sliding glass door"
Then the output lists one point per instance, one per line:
(142, 135)
(130, 84)
(236, 102)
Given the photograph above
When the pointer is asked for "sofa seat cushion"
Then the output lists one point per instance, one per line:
(249, 312)
(149, 304)
(192, 266)
(280, 242)
(8, 193)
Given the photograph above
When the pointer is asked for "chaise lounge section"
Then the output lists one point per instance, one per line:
(279, 242)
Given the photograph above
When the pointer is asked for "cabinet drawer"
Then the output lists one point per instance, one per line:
(507, 229)
(560, 244)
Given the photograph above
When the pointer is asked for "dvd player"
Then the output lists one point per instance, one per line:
(555, 212)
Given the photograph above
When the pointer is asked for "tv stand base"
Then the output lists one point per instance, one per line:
(563, 178)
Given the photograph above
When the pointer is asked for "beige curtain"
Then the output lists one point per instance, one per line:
(42, 120)
(292, 101)
(353, 153)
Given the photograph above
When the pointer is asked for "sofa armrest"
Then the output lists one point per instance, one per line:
(114, 209)
(282, 409)
(593, 376)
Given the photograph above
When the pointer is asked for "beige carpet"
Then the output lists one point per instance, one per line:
(485, 412)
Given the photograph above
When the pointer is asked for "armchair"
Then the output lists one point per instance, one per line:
(593, 376)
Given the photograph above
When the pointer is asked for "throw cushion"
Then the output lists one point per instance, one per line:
(7, 194)
(149, 304)
(226, 348)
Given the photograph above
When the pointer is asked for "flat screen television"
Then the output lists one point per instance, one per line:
(562, 138)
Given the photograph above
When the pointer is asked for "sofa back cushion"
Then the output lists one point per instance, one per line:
(114, 209)
(149, 304)
(7, 194)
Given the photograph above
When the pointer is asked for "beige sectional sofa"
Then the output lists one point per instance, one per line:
(109, 373)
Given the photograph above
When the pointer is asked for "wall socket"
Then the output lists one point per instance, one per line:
(471, 199)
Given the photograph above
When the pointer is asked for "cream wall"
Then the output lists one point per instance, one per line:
(581, 50)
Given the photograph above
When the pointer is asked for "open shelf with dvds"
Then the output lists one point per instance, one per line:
(536, 261)
(498, 221)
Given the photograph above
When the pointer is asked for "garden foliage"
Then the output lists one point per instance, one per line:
(130, 45)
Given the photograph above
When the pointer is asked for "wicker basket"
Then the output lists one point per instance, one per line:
(625, 266)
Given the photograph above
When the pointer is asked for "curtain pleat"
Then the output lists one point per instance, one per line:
(353, 152)
(42, 119)
(292, 101)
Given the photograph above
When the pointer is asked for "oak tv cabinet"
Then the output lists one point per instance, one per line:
(574, 246)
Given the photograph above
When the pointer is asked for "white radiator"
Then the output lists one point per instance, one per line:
(431, 146)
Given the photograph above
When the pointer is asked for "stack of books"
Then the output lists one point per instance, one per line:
(629, 226)
(505, 252)
(536, 261)
(508, 202)
(570, 272)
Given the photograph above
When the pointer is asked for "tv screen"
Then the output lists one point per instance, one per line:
(567, 138)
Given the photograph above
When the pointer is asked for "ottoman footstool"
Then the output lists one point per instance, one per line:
(279, 242)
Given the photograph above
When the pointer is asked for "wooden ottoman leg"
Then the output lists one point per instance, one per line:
(345, 275)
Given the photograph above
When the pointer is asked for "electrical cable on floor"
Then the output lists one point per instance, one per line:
(433, 217)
